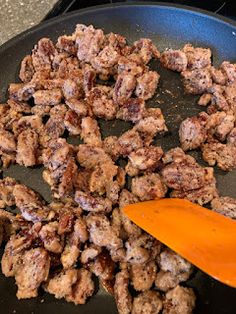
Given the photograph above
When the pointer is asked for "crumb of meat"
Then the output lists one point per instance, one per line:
(32, 271)
(198, 58)
(174, 60)
(149, 302)
(197, 81)
(147, 84)
(90, 132)
(121, 292)
(224, 205)
(82, 289)
(143, 276)
(132, 110)
(148, 187)
(179, 300)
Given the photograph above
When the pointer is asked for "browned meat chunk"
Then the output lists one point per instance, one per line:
(93, 203)
(47, 97)
(6, 192)
(224, 155)
(61, 284)
(50, 238)
(7, 142)
(174, 60)
(72, 122)
(225, 206)
(101, 232)
(27, 148)
(179, 301)
(148, 187)
(90, 132)
(89, 156)
(198, 58)
(145, 48)
(132, 110)
(82, 289)
(121, 292)
(147, 84)
(192, 132)
(197, 81)
(124, 87)
(148, 302)
(27, 69)
(89, 42)
(147, 158)
(143, 276)
(32, 271)
(102, 105)
(129, 141)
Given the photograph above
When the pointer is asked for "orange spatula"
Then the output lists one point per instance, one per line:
(201, 236)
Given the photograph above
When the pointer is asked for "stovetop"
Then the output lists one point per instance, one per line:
(225, 8)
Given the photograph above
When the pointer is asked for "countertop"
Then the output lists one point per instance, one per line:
(19, 15)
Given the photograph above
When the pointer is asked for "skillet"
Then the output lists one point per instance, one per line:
(168, 26)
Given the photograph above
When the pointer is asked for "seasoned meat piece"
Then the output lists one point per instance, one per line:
(102, 106)
(179, 300)
(197, 81)
(225, 205)
(32, 271)
(21, 92)
(82, 289)
(183, 173)
(31, 207)
(27, 148)
(229, 70)
(61, 283)
(148, 302)
(102, 177)
(93, 203)
(148, 187)
(47, 97)
(224, 155)
(198, 58)
(50, 238)
(166, 280)
(89, 42)
(90, 132)
(218, 76)
(147, 158)
(231, 138)
(89, 156)
(143, 276)
(111, 147)
(147, 84)
(6, 192)
(67, 44)
(121, 292)
(27, 69)
(205, 99)
(24, 123)
(101, 232)
(174, 263)
(78, 105)
(132, 110)
(124, 87)
(129, 141)
(220, 124)
(174, 60)
(146, 49)
(7, 141)
(70, 89)
(90, 253)
(192, 132)
(72, 122)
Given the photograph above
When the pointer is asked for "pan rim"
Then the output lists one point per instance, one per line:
(114, 6)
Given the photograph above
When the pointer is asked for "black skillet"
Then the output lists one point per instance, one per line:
(167, 26)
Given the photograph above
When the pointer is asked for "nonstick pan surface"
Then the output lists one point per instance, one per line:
(168, 26)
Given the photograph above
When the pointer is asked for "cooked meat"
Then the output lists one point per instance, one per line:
(143, 276)
(121, 293)
(147, 84)
(198, 58)
(31, 272)
(148, 302)
(90, 132)
(174, 60)
(197, 81)
(192, 132)
(61, 284)
(132, 110)
(224, 205)
(82, 289)
(129, 141)
(47, 97)
(124, 87)
(148, 187)
(179, 300)
(27, 148)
